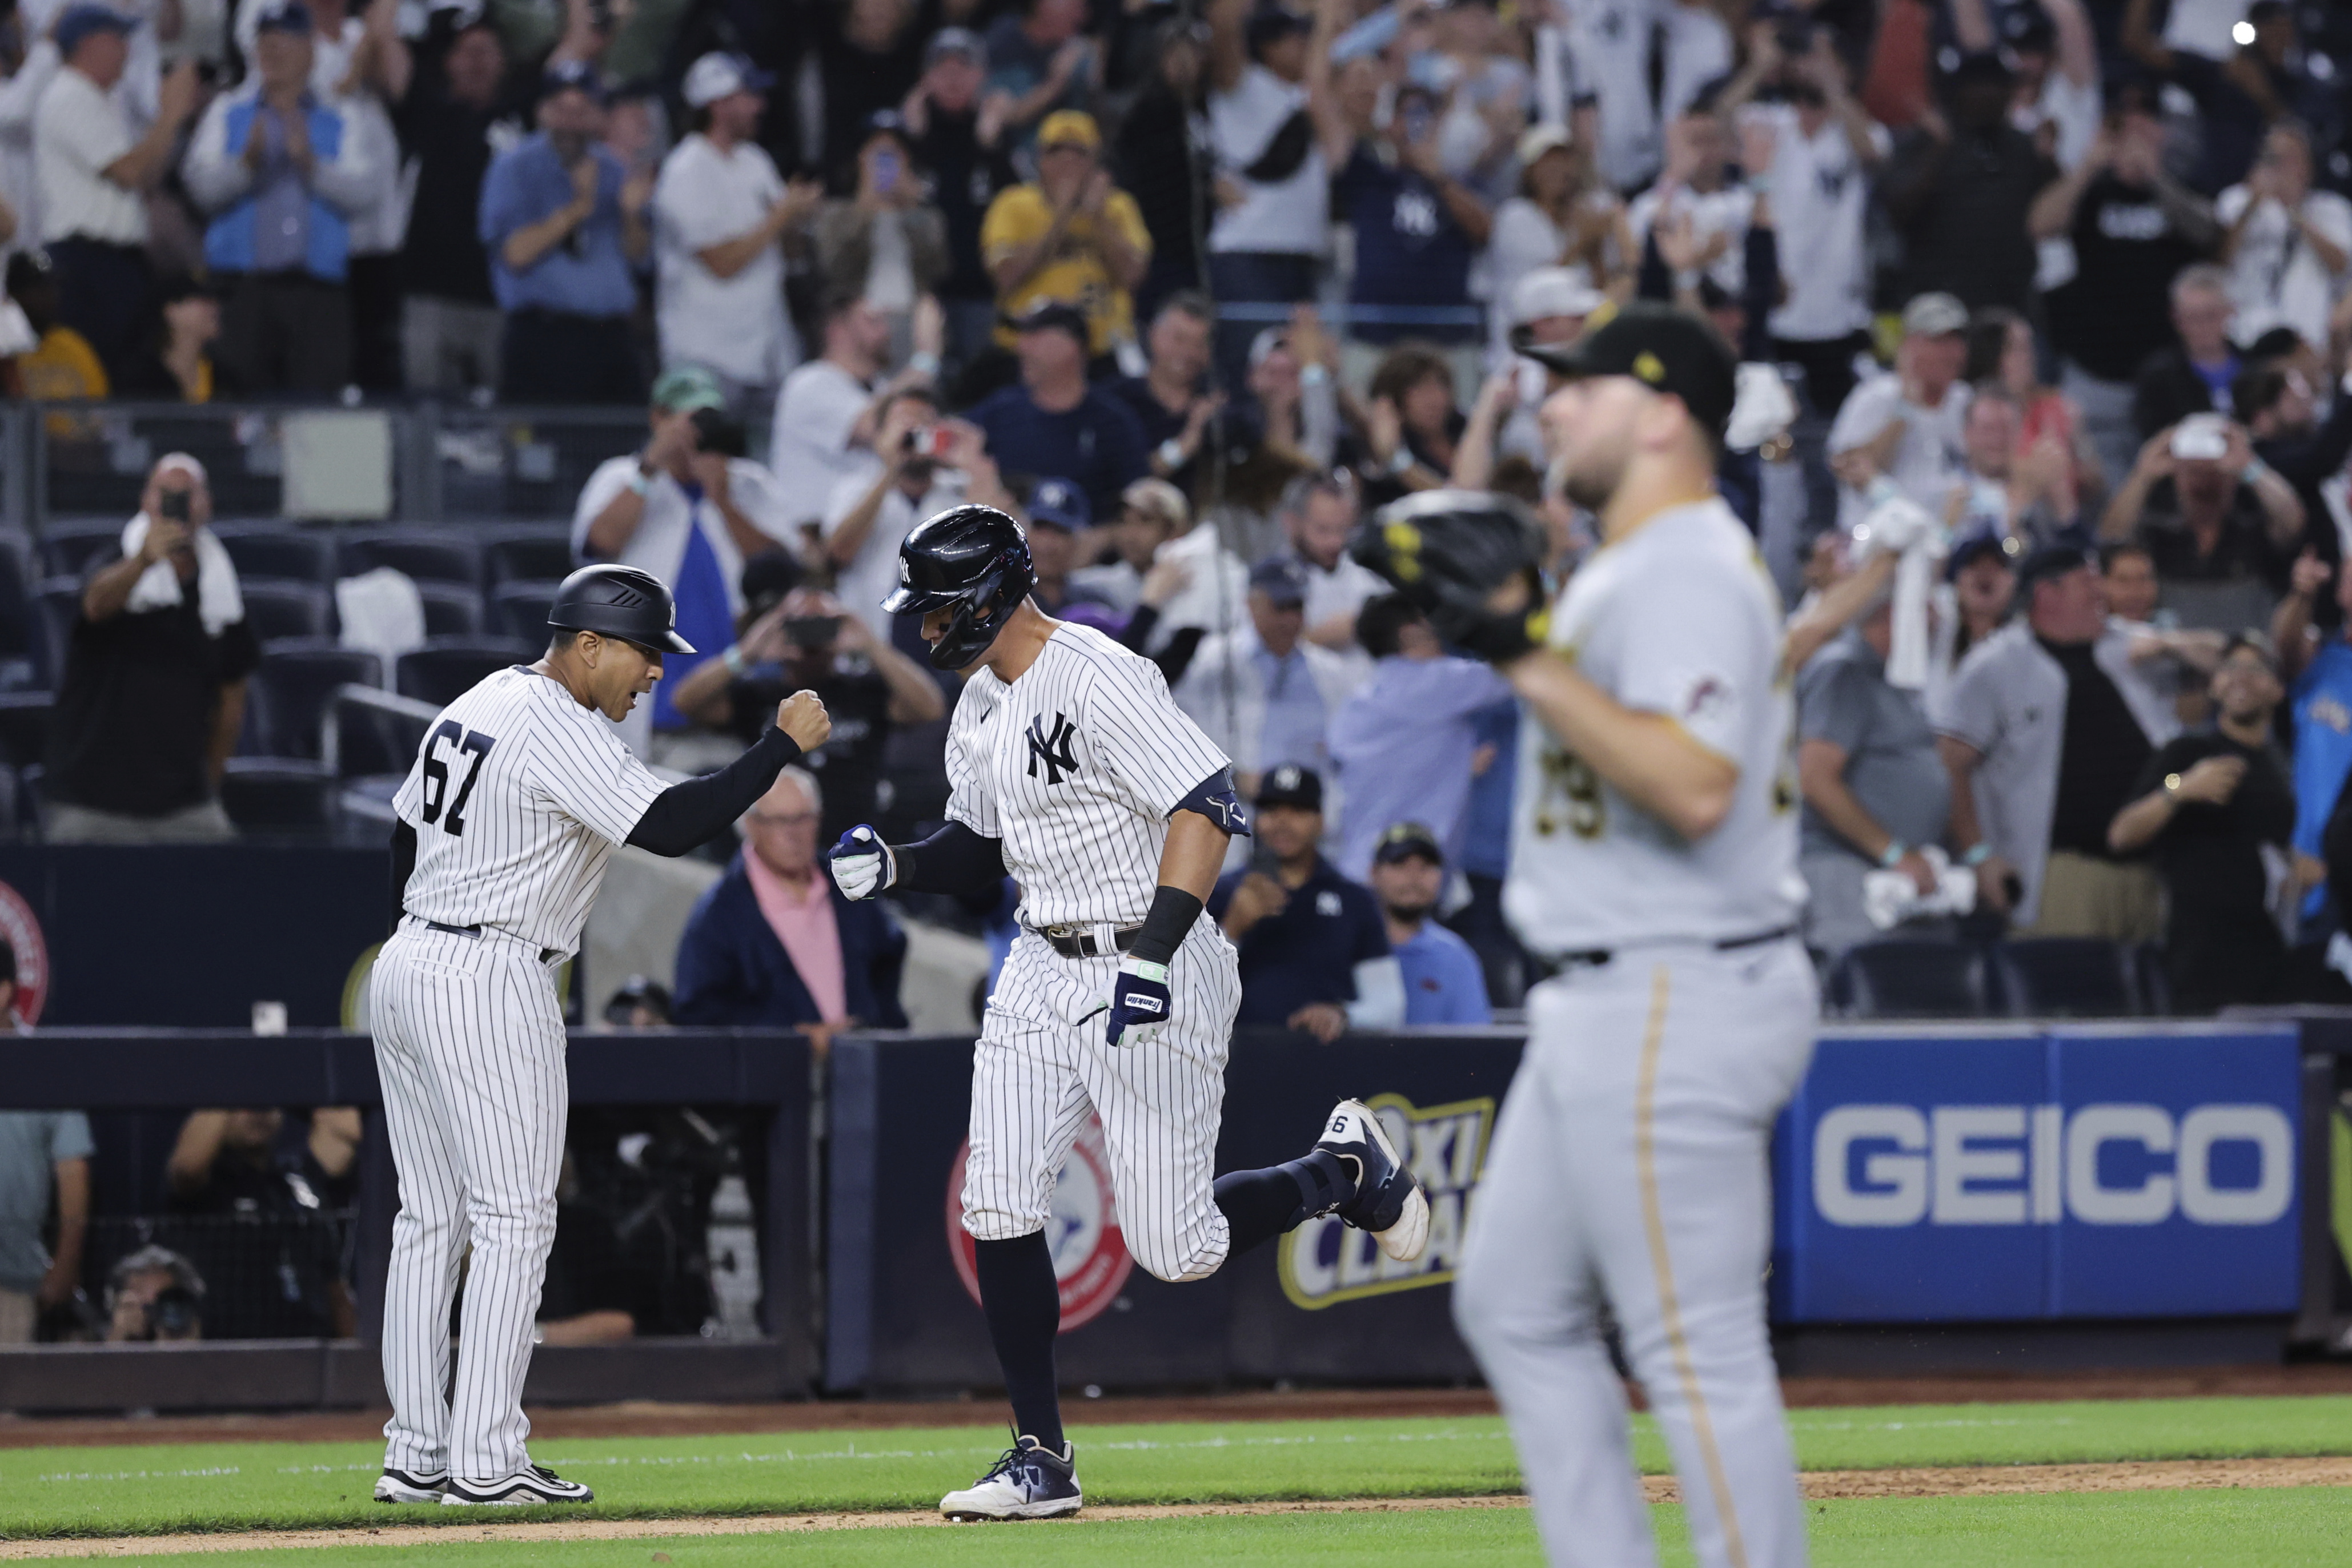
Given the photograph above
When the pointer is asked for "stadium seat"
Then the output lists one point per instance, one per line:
(427, 555)
(292, 690)
(451, 609)
(2065, 977)
(1909, 979)
(277, 794)
(31, 794)
(9, 822)
(69, 548)
(445, 668)
(278, 549)
(376, 732)
(24, 727)
(275, 607)
(514, 555)
(18, 634)
(2155, 982)
(55, 606)
(518, 609)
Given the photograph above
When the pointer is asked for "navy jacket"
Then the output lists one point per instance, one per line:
(732, 969)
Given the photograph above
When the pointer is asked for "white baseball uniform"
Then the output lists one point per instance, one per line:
(1629, 1164)
(519, 797)
(1075, 767)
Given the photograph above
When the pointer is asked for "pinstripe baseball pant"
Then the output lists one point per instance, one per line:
(1630, 1164)
(1041, 1064)
(469, 1044)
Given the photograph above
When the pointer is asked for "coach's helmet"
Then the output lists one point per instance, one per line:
(975, 558)
(619, 601)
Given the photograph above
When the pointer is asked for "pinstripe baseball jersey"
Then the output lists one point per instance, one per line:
(1075, 767)
(519, 796)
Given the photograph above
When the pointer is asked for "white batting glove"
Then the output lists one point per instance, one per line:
(862, 864)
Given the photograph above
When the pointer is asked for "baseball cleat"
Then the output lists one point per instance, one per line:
(530, 1485)
(1389, 1202)
(1030, 1481)
(404, 1486)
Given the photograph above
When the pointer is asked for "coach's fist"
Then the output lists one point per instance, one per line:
(1139, 1001)
(802, 716)
(862, 864)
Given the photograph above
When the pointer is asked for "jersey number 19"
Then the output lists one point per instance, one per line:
(437, 773)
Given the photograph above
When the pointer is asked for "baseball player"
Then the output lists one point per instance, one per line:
(1071, 767)
(519, 796)
(1653, 863)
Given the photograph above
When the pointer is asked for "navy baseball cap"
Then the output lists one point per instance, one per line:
(1403, 841)
(284, 17)
(1058, 504)
(1977, 544)
(1282, 584)
(1291, 785)
(81, 21)
(1055, 315)
(2050, 562)
(571, 76)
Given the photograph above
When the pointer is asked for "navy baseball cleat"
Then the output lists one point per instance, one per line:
(532, 1484)
(404, 1485)
(1030, 1481)
(1389, 1202)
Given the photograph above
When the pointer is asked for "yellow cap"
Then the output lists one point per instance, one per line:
(1066, 126)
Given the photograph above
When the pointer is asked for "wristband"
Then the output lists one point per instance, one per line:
(1761, 184)
(924, 364)
(1883, 490)
(2255, 469)
(733, 658)
(1170, 453)
(1315, 375)
(1976, 855)
(639, 483)
(1173, 911)
(1402, 464)
(1892, 855)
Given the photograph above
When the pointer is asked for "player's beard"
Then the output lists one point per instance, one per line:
(1591, 482)
(1409, 913)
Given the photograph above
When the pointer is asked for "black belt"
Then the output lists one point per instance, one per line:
(1083, 946)
(1594, 957)
(454, 930)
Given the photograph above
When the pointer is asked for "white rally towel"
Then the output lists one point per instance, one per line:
(1890, 898)
(1896, 524)
(220, 603)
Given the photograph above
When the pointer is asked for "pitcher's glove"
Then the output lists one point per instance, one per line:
(862, 864)
(1451, 552)
(1139, 1001)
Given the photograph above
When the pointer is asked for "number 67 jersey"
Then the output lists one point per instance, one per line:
(1678, 620)
(519, 797)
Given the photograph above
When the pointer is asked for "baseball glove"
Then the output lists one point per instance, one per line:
(1450, 552)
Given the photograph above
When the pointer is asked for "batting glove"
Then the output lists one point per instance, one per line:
(862, 864)
(1139, 1001)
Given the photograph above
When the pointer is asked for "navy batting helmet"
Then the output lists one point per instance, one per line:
(975, 558)
(619, 601)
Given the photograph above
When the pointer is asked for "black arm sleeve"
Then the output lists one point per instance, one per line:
(953, 860)
(700, 810)
(403, 862)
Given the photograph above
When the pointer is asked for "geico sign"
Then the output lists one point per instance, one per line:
(2034, 1165)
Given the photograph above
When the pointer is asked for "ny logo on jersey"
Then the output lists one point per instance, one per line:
(1052, 750)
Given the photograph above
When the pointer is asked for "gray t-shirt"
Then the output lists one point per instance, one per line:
(1842, 697)
(31, 1145)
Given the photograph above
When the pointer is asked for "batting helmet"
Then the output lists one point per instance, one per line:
(619, 601)
(974, 558)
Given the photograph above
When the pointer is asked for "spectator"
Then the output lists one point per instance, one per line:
(93, 170)
(154, 1294)
(1417, 230)
(2133, 229)
(153, 691)
(44, 1156)
(2237, 95)
(1561, 217)
(2219, 814)
(2278, 405)
(1908, 424)
(1401, 744)
(1292, 410)
(1697, 201)
(1443, 982)
(178, 366)
(2003, 354)
(1609, 56)
(1825, 148)
(1411, 424)
(2056, 51)
(451, 121)
(1154, 153)
(868, 61)
(2196, 375)
(1069, 235)
(1264, 692)
(1320, 519)
(774, 945)
(565, 223)
(923, 466)
(1040, 63)
(1057, 515)
(1278, 135)
(2175, 661)
(1152, 513)
(2221, 528)
(824, 420)
(722, 215)
(1052, 422)
(20, 99)
(1875, 792)
(249, 1161)
(1314, 949)
(2288, 247)
(2010, 488)
(2317, 669)
(1172, 401)
(1973, 602)
(957, 144)
(888, 243)
(641, 1003)
(688, 508)
(60, 366)
(2044, 732)
(1960, 191)
(282, 173)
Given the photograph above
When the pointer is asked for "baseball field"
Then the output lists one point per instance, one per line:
(2085, 1482)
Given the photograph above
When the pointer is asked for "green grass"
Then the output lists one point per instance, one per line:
(2282, 1528)
(148, 1490)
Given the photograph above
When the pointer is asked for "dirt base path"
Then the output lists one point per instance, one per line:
(1981, 1480)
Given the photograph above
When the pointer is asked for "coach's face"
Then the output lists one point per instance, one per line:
(618, 673)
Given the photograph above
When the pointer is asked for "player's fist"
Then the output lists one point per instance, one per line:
(1139, 1001)
(862, 864)
(802, 716)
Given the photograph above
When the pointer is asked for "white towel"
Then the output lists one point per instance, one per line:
(1899, 524)
(1890, 898)
(220, 603)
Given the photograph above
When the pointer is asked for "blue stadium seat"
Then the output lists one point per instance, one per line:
(1910, 981)
(372, 739)
(279, 794)
(445, 668)
(279, 550)
(428, 555)
(451, 609)
(291, 693)
(275, 607)
(519, 609)
(69, 548)
(2066, 976)
(511, 555)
